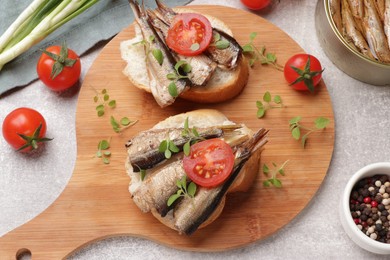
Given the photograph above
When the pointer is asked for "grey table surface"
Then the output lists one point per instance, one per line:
(29, 184)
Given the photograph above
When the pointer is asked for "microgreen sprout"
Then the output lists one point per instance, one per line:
(193, 136)
(219, 43)
(184, 190)
(123, 123)
(320, 123)
(181, 70)
(260, 55)
(157, 53)
(102, 99)
(273, 180)
(168, 147)
(103, 151)
(267, 98)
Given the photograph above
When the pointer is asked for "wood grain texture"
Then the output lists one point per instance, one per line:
(96, 203)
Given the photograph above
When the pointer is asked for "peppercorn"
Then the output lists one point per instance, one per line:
(370, 207)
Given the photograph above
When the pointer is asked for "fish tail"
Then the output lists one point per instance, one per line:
(257, 141)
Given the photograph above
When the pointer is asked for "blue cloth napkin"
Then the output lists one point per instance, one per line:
(100, 22)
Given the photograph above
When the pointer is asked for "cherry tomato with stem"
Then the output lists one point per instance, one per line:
(189, 34)
(24, 128)
(209, 163)
(303, 72)
(59, 68)
(256, 4)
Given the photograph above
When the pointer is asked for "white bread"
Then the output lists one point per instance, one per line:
(222, 86)
(204, 118)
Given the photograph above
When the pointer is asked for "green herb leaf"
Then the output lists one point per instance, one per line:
(158, 55)
(107, 153)
(216, 37)
(115, 125)
(223, 44)
(296, 133)
(295, 120)
(143, 174)
(100, 108)
(260, 113)
(191, 189)
(267, 97)
(99, 154)
(252, 36)
(104, 91)
(171, 76)
(187, 148)
(265, 169)
(271, 57)
(195, 46)
(125, 121)
(172, 199)
(95, 99)
(106, 97)
(163, 146)
(168, 154)
(277, 99)
(172, 89)
(106, 160)
(103, 145)
(266, 183)
(321, 122)
(112, 103)
(100, 113)
(247, 48)
(173, 147)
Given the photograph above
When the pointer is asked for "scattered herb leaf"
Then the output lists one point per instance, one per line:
(168, 147)
(273, 180)
(259, 55)
(102, 98)
(103, 151)
(123, 123)
(296, 128)
(267, 98)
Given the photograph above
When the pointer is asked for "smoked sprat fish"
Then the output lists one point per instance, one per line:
(143, 149)
(227, 58)
(202, 67)
(190, 213)
(375, 33)
(157, 71)
(365, 26)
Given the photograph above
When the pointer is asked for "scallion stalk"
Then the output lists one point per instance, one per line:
(36, 22)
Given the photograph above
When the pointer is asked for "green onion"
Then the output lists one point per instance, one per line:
(36, 22)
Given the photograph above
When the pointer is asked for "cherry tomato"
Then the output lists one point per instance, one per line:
(189, 34)
(303, 72)
(256, 4)
(24, 128)
(209, 163)
(59, 68)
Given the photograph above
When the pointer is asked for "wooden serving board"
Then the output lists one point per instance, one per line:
(96, 203)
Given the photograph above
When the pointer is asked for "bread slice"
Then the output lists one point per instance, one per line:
(204, 118)
(222, 86)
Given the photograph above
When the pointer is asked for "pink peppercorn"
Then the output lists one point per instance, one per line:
(367, 200)
(356, 220)
(374, 204)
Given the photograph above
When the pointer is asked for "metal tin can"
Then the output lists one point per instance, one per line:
(350, 61)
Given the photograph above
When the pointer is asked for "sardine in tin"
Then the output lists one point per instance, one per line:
(346, 58)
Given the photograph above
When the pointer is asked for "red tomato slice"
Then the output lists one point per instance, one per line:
(190, 34)
(210, 162)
